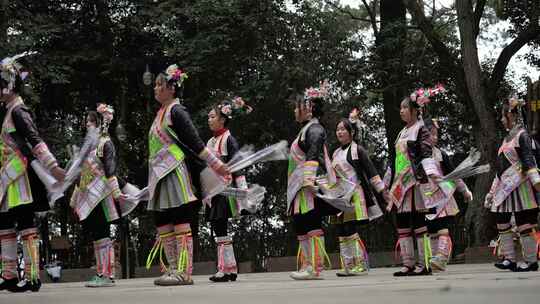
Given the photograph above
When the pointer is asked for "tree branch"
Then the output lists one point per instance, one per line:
(425, 25)
(372, 17)
(347, 12)
(478, 12)
(446, 57)
(524, 37)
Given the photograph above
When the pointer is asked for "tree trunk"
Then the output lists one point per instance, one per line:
(477, 216)
(3, 26)
(391, 37)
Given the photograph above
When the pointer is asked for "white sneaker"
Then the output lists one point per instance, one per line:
(166, 279)
(305, 274)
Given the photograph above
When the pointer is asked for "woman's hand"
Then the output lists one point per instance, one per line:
(58, 173)
(389, 200)
(436, 179)
(223, 170)
(468, 196)
(488, 201)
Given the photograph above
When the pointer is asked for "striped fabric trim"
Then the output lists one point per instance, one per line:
(533, 175)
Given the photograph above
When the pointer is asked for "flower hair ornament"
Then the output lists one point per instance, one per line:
(10, 69)
(328, 91)
(322, 92)
(175, 74)
(422, 95)
(354, 116)
(107, 112)
(233, 108)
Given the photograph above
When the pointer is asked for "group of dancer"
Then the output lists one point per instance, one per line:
(414, 186)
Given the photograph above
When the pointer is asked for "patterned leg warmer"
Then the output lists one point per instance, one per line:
(8, 240)
(104, 252)
(184, 242)
(165, 241)
(303, 258)
(226, 259)
(506, 245)
(31, 254)
(424, 250)
(406, 246)
(318, 250)
(529, 247)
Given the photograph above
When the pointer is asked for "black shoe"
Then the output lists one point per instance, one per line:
(223, 277)
(420, 270)
(526, 267)
(26, 285)
(6, 284)
(506, 265)
(405, 271)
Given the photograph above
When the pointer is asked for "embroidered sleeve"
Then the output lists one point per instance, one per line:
(211, 160)
(25, 126)
(461, 186)
(533, 176)
(426, 152)
(387, 179)
(365, 165)
(113, 184)
(310, 173)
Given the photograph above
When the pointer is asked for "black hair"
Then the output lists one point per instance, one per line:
(412, 105)
(429, 124)
(221, 115)
(350, 127)
(506, 109)
(518, 111)
(178, 89)
(94, 117)
(17, 88)
(317, 105)
(317, 108)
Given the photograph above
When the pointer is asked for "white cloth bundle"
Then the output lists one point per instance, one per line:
(212, 184)
(338, 195)
(248, 199)
(133, 196)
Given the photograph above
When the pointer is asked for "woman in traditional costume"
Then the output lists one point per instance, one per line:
(171, 192)
(513, 192)
(22, 193)
(414, 174)
(96, 197)
(224, 145)
(351, 161)
(444, 214)
(307, 155)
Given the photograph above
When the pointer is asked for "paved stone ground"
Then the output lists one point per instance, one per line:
(461, 284)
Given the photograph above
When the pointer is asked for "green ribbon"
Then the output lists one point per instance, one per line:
(427, 251)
